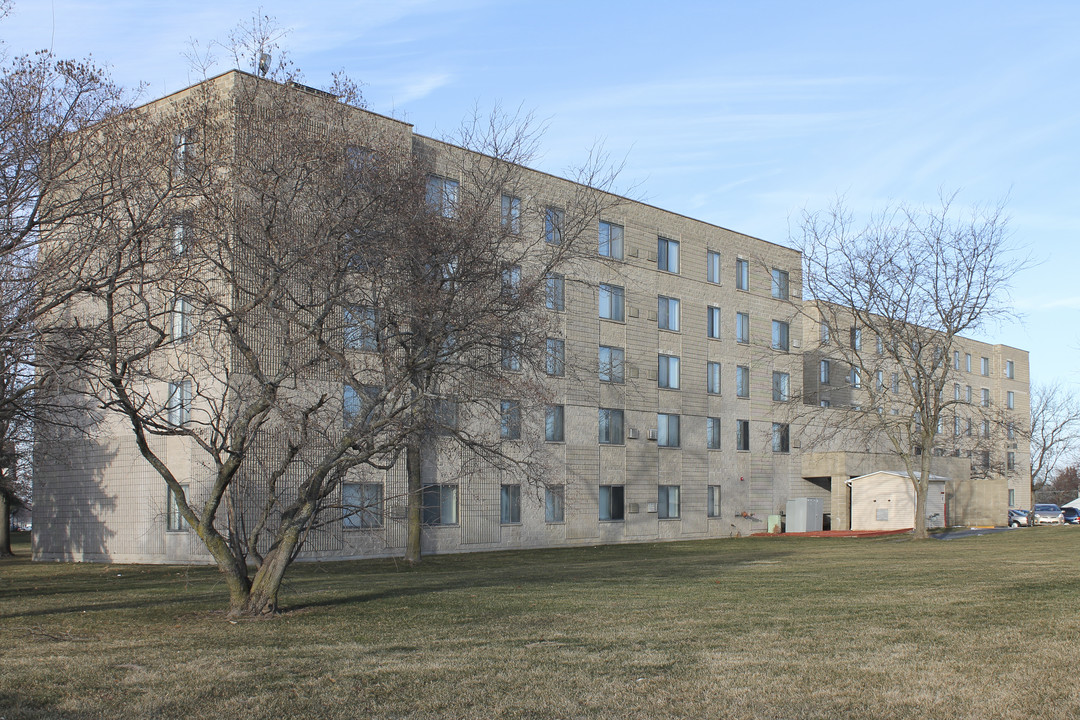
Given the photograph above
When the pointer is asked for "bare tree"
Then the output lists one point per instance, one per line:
(891, 298)
(46, 106)
(289, 289)
(1054, 432)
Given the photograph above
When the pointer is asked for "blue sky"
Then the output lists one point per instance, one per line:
(737, 113)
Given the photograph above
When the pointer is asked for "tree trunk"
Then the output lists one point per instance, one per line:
(415, 502)
(263, 598)
(5, 525)
(922, 488)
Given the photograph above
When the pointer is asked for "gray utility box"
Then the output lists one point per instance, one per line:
(804, 514)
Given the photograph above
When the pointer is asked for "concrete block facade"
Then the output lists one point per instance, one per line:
(100, 501)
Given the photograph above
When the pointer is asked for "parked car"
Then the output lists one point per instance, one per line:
(1018, 518)
(1047, 514)
(1072, 515)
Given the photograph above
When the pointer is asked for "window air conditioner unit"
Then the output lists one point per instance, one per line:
(633, 508)
(652, 507)
(632, 433)
(652, 434)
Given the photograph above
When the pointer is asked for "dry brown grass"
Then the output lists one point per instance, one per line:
(749, 628)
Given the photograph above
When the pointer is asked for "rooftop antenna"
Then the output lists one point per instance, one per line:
(264, 63)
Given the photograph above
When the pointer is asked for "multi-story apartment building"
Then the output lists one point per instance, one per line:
(687, 418)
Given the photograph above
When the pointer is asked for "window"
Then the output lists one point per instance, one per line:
(856, 338)
(611, 426)
(895, 380)
(180, 319)
(714, 501)
(1010, 400)
(440, 504)
(611, 302)
(1010, 370)
(712, 433)
(779, 335)
(362, 505)
(611, 502)
(178, 407)
(742, 274)
(780, 284)
(780, 386)
(510, 505)
(510, 420)
(511, 214)
(359, 162)
(183, 151)
(174, 521)
(856, 377)
(667, 501)
(713, 263)
(956, 359)
(667, 255)
(823, 330)
(1012, 497)
(713, 322)
(742, 328)
(1010, 461)
(984, 458)
(967, 362)
(986, 428)
(180, 233)
(742, 381)
(611, 240)
(556, 357)
(880, 384)
(361, 330)
(826, 403)
(780, 438)
(984, 366)
(712, 372)
(553, 226)
(667, 372)
(556, 295)
(742, 435)
(956, 391)
(554, 503)
(967, 393)
(667, 313)
(352, 403)
(511, 353)
(1010, 430)
(442, 195)
(667, 430)
(555, 423)
(511, 281)
(445, 415)
(880, 345)
(611, 365)
(985, 397)
(823, 371)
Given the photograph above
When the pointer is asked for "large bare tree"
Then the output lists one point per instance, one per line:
(891, 297)
(1054, 432)
(297, 289)
(46, 106)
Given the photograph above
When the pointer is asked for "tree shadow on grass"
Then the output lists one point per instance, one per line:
(608, 564)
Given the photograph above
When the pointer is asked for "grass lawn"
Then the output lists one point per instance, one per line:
(741, 628)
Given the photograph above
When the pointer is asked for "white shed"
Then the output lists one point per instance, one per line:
(885, 500)
(1074, 504)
